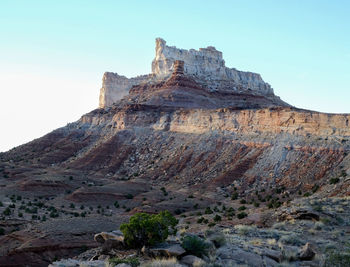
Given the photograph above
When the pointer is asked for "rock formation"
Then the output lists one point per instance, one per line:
(176, 142)
(205, 65)
(115, 87)
(208, 66)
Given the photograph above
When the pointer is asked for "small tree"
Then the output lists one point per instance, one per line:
(145, 229)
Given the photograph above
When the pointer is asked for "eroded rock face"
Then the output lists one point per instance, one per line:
(115, 87)
(206, 66)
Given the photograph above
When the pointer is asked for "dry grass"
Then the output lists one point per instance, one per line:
(162, 263)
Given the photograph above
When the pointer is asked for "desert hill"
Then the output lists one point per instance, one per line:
(191, 134)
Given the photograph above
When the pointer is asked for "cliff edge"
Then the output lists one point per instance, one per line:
(205, 66)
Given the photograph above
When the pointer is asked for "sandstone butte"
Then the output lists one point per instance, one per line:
(193, 127)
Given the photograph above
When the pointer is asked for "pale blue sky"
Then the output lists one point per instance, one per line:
(53, 53)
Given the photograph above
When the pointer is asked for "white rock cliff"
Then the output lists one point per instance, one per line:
(205, 65)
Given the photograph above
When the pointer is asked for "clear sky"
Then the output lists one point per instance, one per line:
(53, 53)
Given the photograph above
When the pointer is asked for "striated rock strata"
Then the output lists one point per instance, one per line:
(172, 143)
(206, 66)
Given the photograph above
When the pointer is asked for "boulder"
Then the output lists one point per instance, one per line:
(306, 252)
(75, 263)
(110, 240)
(289, 253)
(229, 256)
(297, 213)
(276, 255)
(123, 265)
(192, 260)
(166, 250)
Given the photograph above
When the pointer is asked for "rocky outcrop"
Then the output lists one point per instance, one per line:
(306, 253)
(166, 250)
(110, 240)
(206, 66)
(115, 87)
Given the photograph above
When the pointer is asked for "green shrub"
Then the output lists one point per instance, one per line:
(234, 196)
(200, 220)
(133, 262)
(335, 259)
(145, 229)
(242, 215)
(165, 193)
(315, 188)
(334, 180)
(195, 246)
(208, 210)
(7, 211)
(242, 208)
(2, 231)
(178, 211)
(217, 218)
(129, 196)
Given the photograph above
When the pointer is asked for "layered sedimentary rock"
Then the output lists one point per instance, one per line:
(206, 66)
(171, 131)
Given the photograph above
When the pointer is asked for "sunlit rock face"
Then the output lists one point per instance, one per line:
(115, 87)
(206, 66)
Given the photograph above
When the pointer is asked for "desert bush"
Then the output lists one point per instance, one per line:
(200, 220)
(245, 229)
(217, 218)
(129, 196)
(208, 210)
(319, 225)
(2, 231)
(133, 262)
(145, 229)
(234, 196)
(7, 211)
(165, 193)
(242, 215)
(279, 225)
(337, 259)
(291, 239)
(218, 239)
(195, 246)
(334, 180)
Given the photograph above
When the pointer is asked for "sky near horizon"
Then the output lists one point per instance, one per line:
(53, 53)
